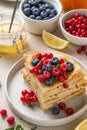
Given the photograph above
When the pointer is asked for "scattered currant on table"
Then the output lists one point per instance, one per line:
(82, 49)
(3, 112)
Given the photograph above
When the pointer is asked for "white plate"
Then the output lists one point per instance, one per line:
(15, 84)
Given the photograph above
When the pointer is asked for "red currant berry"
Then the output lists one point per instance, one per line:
(65, 76)
(34, 99)
(83, 48)
(69, 111)
(65, 85)
(24, 92)
(62, 105)
(76, 15)
(32, 70)
(45, 62)
(39, 56)
(41, 78)
(22, 99)
(79, 51)
(11, 120)
(3, 112)
(61, 61)
(31, 93)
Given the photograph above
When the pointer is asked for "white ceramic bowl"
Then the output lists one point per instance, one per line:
(36, 26)
(73, 39)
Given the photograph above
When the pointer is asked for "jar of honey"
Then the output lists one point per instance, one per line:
(73, 4)
(15, 41)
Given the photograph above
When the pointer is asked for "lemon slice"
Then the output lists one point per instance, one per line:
(53, 41)
(82, 125)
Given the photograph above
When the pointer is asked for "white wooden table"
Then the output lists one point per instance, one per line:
(35, 43)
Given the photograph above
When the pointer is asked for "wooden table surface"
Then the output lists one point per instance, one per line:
(35, 43)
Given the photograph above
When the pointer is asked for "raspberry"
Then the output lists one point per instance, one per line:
(69, 111)
(62, 105)
(65, 85)
(46, 61)
(39, 56)
(41, 78)
(44, 55)
(47, 74)
(56, 71)
(3, 112)
(11, 120)
(63, 66)
(36, 70)
(61, 61)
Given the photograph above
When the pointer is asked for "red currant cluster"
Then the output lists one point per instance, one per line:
(77, 25)
(82, 49)
(28, 97)
(68, 110)
(10, 119)
(48, 68)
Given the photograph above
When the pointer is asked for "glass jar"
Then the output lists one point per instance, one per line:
(73, 4)
(15, 41)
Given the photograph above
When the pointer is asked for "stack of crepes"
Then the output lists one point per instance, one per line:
(48, 96)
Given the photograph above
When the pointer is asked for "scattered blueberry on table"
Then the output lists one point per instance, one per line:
(39, 10)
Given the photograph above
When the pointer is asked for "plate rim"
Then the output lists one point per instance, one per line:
(43, 122)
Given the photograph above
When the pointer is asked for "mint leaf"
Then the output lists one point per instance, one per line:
(34, 128)
(9, 129)
(58, 66)
(19, 127)
(31, 105)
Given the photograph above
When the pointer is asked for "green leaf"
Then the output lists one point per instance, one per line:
(19, 127)
(58, 66)
(34, 128)
(31, 105)
(10, 128)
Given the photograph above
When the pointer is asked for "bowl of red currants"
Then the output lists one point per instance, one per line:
(40, 15)
(73, 25)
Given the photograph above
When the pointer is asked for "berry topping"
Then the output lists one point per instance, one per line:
(3, 112)
(54, 61)
(55, 110)
(56, 72)
(70, 66)
(65, 85)
(41, 78)
(47, 74)
(49, 68)
(49, 81)
(35, 61)
(10, 120)
(69, 111)
(62, 106)
(63, 66)
(46, 61)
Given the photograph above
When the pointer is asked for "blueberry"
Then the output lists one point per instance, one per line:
(46, 18)
(48, 11)
(70, 66)
(35, 61)
(54, 61)
(26, 5)
(54, 12)
(43, 14)
(34, 2)
(32, 16)
(49, 81)
(33, 7)
(51, 16)
(27, 11)
(43, 69)
(55, 110)
(49, 68)
(38, 18)
(36, 11)
(42, 8)
(48, 6)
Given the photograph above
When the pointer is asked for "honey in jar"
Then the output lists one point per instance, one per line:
(15, 41)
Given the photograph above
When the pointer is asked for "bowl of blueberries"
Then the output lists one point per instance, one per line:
(40, 15)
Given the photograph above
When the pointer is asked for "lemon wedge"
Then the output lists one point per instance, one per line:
(53, 41)
(82, 125)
